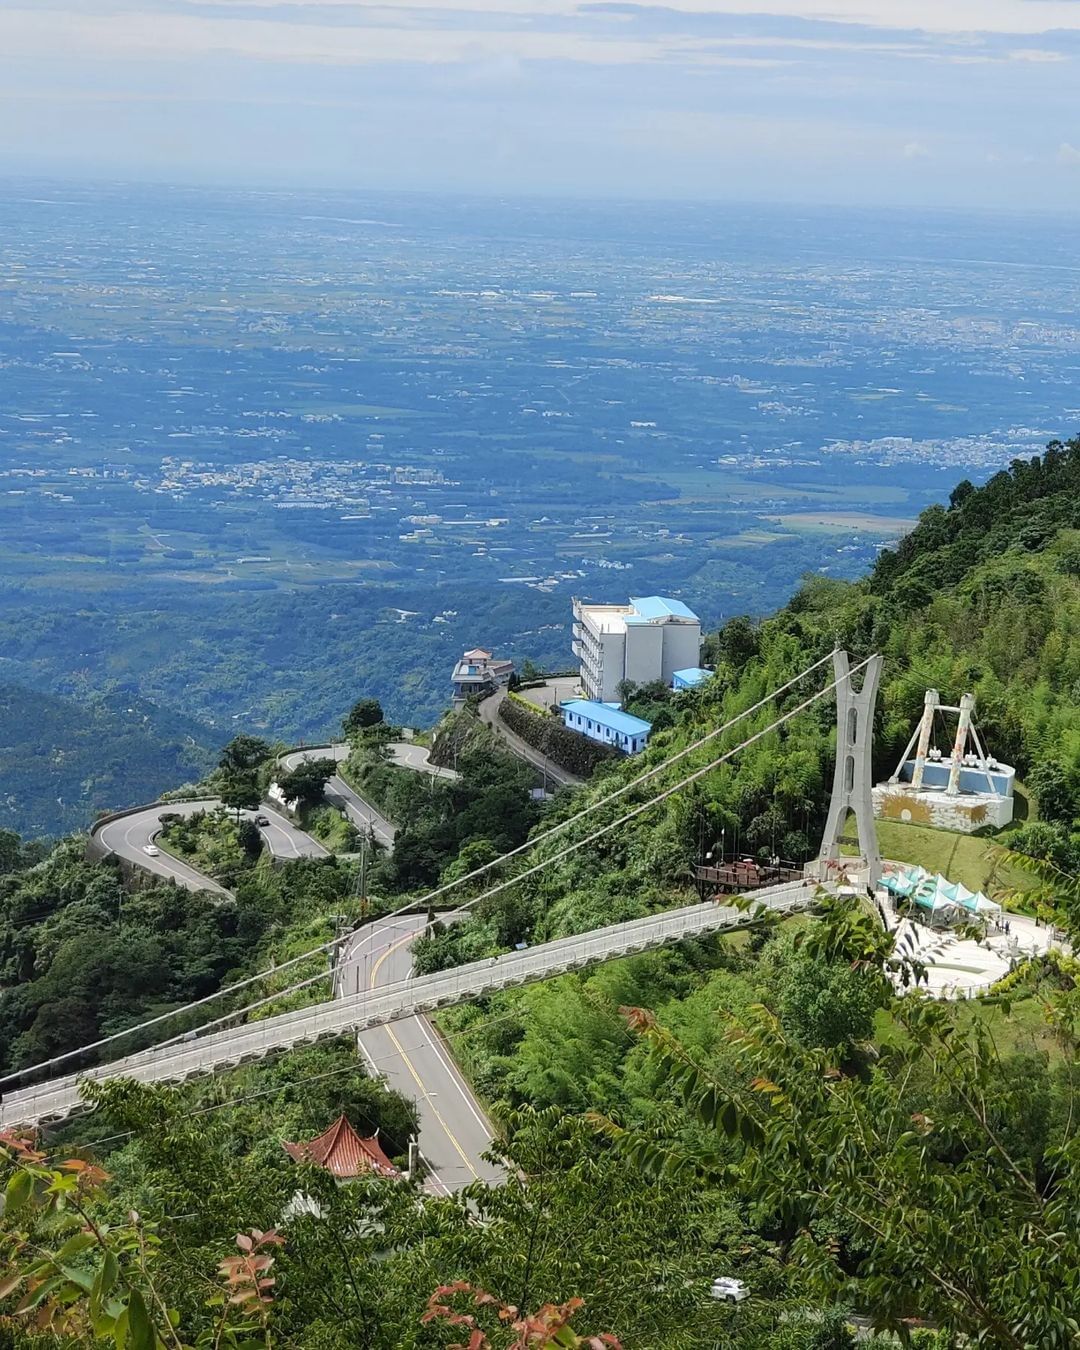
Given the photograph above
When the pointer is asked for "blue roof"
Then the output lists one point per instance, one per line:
(607, 715)
(659, 607)
(692, 675)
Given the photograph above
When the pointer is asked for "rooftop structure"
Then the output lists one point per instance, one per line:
(344, 1153)
(606, 723)
(964, 791)
(689, 678)
(649, 639)
(479, 673)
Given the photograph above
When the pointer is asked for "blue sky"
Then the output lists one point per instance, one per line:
(925, 102)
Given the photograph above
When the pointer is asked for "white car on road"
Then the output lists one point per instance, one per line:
(728, 1290)
(151, 850)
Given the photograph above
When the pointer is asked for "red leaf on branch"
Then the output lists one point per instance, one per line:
(638, 1019)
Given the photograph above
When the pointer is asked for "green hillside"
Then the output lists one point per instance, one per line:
(763, 1105)
(975, 598)
(62, 762)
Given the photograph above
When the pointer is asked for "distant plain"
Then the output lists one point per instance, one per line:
(241, 433)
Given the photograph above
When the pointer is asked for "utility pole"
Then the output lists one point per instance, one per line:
(361, 881)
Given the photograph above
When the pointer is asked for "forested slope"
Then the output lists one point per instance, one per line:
(62, 761)
(977, 598)
(761, 1105)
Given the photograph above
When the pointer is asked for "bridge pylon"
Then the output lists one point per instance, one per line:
(853, 776)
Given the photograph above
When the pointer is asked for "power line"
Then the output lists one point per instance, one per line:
(571, 848)
(427, 899)
(544, 863)
(308, 1078)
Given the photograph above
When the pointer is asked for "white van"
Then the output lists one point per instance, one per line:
(729, 1290)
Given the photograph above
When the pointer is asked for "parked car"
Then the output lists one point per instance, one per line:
(151, 850)
(729, 1290)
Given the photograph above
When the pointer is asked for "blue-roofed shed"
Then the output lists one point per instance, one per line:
(652, 607)
(606, 723)
(689, 679)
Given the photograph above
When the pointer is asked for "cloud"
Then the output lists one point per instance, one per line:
(597, 32)
(822, 93)
(187, 37)
(1037, 55)
(957, 16)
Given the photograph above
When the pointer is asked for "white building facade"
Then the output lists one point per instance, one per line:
(649, 639)
(478, 673)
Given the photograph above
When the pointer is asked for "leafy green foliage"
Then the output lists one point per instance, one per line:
(439, 817)
(933, 1183)
(82, 958)
(238, 779)
(827, 1005)
(214, 842)
(307, 782)
(366, 712)
(782, 1116)
(576, 754)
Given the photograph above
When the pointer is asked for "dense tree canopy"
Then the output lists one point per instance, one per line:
(764, 1105)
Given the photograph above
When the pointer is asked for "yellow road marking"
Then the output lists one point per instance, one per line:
(408, 1062)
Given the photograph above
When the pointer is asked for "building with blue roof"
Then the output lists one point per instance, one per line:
(649, 608)
(689, 678)
(646, 641)
(606, 723)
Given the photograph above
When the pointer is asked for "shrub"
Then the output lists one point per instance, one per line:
(576, 754)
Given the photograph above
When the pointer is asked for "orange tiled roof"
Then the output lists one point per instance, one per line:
(343, 1152)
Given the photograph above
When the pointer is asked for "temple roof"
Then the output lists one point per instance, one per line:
(341, 1151)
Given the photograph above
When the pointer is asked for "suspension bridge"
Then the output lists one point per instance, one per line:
(217, 1046)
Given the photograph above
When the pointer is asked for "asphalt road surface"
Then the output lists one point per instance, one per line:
(130, 837)
(413, 1059)
(362, 814)
(410, 1055)
(409, 755)
(553, 774)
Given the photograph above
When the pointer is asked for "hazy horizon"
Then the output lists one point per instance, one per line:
(830, 102)
(24, 179)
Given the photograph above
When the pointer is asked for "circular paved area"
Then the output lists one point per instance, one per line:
(961, 968)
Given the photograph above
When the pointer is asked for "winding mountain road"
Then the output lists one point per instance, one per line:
(131, 835)
(410, 1055)
(454, 1132)
(338, 793)
(552, 773)
(398, 1000)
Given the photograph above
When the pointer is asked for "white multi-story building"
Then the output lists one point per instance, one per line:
(648, 639)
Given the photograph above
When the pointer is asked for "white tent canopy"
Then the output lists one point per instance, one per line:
(935, 893)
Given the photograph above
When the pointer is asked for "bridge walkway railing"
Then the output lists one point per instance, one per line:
(427, 993)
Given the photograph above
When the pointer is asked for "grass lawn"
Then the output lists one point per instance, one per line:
(958, 857)
(1021, 1030)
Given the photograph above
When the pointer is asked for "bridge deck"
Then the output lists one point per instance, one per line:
(224, 1049)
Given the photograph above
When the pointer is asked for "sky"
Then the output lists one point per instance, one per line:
(947, 103)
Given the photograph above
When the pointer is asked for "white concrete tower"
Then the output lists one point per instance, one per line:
(853, 776)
